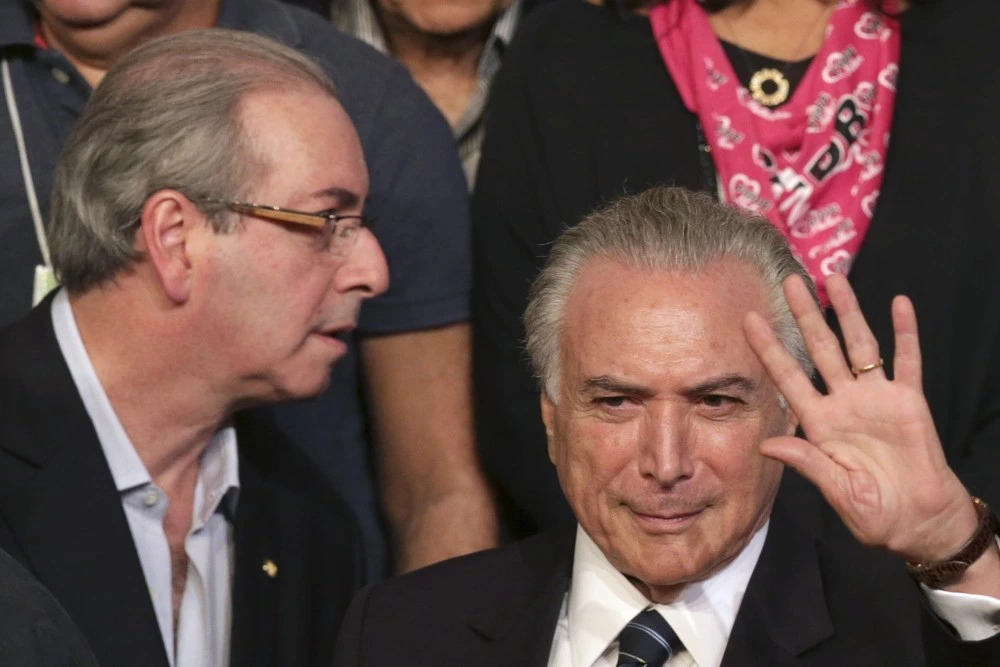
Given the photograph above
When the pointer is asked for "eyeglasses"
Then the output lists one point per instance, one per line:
(340, 232)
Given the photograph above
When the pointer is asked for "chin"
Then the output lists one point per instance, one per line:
(300, 387)
(83, 12)
(448, 20)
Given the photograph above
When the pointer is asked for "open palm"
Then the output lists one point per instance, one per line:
(871, 446)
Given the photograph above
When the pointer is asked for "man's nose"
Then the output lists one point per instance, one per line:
(365, 269)
(665, 450)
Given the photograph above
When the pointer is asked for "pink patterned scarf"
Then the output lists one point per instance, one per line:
(812, 166)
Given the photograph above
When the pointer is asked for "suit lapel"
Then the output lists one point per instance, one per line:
(784, 612)
(66, 516)
(256, 585)
(519, 630)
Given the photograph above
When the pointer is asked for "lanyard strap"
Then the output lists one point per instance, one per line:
(22, 151)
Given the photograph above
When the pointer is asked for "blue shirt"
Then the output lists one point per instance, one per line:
(417, 194)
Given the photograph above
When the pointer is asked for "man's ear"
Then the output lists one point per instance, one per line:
(548, 418)
(168, 219)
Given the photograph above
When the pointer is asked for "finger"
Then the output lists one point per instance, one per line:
(862, 347)
(907, 367)
(824, 348)
(809, 462)
(783, 369)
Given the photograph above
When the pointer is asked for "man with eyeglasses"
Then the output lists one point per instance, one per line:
(207, 228)
(382, 417)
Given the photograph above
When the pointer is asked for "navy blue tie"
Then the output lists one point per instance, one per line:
(647, 640)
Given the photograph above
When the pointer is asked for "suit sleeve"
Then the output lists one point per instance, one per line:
(349, 641)
(36, 630)
(943, 647)
(977, 464)
(514, 222)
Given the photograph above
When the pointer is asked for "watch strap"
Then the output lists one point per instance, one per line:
(936, 574)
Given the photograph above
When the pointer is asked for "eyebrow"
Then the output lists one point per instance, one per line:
(723, 382)
(344, 197)
(710, 386)
(612, 385)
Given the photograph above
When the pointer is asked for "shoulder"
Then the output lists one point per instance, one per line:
(579, 32)
(584, 62)
(28, 340)
(469, 587)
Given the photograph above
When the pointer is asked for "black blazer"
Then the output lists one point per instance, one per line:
(816, 598)
(60, 515)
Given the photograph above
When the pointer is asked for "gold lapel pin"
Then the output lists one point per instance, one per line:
(270, 568)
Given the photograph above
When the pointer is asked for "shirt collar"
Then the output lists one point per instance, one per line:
(218, 478)
(17, 23)
(126, 467)
(218, 474)
(602, 601)
(358, 18)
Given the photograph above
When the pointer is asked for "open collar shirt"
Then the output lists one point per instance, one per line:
(202, 635)
(358, 18)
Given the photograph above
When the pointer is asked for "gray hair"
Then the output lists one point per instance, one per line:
(662, 229)
(167, 115)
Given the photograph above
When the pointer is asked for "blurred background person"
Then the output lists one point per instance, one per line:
(849, 128)
(411, 349)
(452, 47)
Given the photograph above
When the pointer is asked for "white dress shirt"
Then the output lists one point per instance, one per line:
(203, 630)
(601, 601)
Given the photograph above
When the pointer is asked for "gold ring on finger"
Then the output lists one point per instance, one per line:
(865, 369)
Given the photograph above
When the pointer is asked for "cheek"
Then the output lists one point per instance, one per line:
(594, 469)
(746, 477)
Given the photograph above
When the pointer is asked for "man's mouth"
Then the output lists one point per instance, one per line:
(340, 333)
(673, 520)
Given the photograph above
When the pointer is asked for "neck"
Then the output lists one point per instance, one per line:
(95, 46)
(789, 30)
(445, 66)
(170, 417)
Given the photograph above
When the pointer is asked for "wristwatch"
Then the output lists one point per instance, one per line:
(936, 574)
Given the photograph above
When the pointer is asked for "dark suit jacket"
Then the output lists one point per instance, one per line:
(816, 598)
(61, 516)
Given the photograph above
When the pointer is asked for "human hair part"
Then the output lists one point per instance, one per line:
(665, 229)
(166, 116)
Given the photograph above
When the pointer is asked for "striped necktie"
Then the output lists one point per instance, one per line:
(647, 640)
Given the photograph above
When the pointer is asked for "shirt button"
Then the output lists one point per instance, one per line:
(151, 498)
(60, 76)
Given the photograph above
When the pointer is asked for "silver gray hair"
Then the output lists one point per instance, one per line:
(662, 229)
(167, 115)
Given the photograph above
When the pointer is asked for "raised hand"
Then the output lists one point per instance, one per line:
(871, 447)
